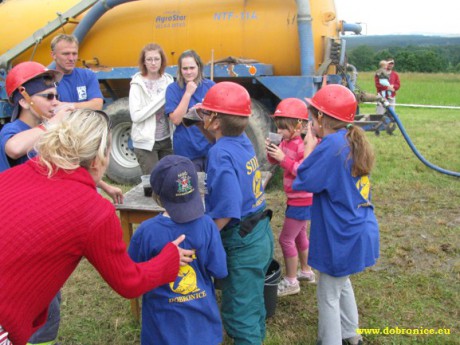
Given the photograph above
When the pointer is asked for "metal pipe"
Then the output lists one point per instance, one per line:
(93, 15)
(351, 27)
(304, 19)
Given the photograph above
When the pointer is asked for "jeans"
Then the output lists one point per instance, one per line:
(48, 333)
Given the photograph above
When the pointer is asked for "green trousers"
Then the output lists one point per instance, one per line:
(248, 259)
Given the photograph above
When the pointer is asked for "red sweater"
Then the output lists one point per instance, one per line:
(46, 227)
(293, 150)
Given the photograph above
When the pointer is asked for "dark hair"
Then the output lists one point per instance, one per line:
(360, 149)
(150, 47)
(199, 63)
(288, 123)
(232, 125)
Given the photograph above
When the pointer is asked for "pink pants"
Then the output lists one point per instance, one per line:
(293, 238)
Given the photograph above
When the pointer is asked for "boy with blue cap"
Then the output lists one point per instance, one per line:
(185, 311)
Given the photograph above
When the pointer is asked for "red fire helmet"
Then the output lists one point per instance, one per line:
(336, 101)
(293, 108)
(25, 71)
(228, 98)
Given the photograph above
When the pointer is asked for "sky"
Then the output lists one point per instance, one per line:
(439, 17)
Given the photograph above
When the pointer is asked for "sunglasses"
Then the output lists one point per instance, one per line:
(48, 96)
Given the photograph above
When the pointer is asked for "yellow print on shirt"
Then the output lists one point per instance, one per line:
(364, 186)
(185, 282)
(257, 184)
(252, 167)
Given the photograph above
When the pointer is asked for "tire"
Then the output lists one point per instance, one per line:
(259, 125)
(123, 167)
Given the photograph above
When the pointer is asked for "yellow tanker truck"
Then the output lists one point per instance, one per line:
(275, 48)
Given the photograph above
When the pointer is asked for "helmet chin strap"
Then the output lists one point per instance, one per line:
(210, 121)
(320, 124)
(28, 99)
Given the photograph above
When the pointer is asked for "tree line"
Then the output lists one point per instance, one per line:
(424, 59)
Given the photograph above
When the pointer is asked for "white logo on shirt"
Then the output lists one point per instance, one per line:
(81, 90)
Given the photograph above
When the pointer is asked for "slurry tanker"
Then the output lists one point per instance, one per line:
(274, 48)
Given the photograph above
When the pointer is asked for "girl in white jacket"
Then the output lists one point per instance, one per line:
(151, 131)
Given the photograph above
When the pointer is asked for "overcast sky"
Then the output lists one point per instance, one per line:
(402, 16)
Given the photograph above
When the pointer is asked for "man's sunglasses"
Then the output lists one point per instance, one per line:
(48, 96)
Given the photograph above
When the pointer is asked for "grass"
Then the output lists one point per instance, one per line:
(415, 284)
(418, 88)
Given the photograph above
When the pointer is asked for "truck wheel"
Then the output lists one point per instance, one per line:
(123, 167)
(259, 125)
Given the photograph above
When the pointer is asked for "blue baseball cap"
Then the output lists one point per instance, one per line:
(174, 179)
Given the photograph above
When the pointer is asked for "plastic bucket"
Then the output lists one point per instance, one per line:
(272, 278)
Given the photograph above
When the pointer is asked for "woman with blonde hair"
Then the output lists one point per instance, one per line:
(53, 216)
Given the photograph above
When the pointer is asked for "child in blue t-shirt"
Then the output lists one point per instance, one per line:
(186, 311)
(236, 201)
(344, 234)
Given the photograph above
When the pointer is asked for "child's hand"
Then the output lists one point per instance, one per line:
(310, 141)
(275, 152)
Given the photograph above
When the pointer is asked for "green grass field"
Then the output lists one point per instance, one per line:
(414, 286)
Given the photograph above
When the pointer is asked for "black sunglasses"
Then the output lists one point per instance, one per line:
(48, 96)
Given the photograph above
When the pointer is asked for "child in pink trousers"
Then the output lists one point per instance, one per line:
(289, 116)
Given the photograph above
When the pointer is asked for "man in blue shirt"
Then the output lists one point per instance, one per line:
(78, 85)
(80, 88)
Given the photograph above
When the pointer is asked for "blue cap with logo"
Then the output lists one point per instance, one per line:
(174, 179)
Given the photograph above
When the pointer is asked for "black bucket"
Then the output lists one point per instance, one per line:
(272, 278)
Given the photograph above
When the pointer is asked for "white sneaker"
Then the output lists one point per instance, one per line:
(285, 288)
(308, 276)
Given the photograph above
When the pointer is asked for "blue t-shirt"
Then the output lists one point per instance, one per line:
(344, 234)
(188, 141)
(298, 212)
(8, 131)
(233, 179)
(79, 86)
(186, 311)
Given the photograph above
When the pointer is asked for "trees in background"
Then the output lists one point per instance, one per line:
(434, 59)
